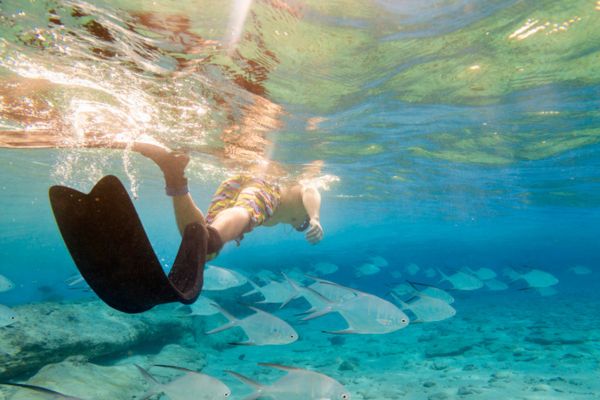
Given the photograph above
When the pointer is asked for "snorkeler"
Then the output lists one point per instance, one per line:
(111, 249)
(240, 204)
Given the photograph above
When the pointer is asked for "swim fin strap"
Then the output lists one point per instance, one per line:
(109, 246)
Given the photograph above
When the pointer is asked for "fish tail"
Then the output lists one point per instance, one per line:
(256, 288)
(258, 388)
(318, 313)
(402, 304)
(347, 331)
(444, 276)
(155, 385)
(223, 311)
(147, 375)
(296, 287)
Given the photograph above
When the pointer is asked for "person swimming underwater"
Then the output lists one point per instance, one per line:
(109, 245)
(240, 203)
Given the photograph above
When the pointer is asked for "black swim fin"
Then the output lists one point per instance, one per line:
(107, 241)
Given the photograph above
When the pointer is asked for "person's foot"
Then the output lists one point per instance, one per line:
(172, 163)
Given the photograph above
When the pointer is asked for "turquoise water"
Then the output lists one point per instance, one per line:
(451, 134)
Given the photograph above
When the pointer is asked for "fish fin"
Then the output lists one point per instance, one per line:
(310, 310)
(415, 284)
(39, 389)
(346, 331)
(175, 367)
(74, 280)
(256, 288)
(320, 280)
(416, 296)
(295, 285)
(313, 277)
(147, 375)
(355, 292)
(286, 302)
(317, 314)
(221, 328)
(248, 343)
(279, 366)
(255, 385)
(257, 310)
(319, 295)
(156, 385)
(444, 276)
(295, 288)
(396, 298)
(223, 311)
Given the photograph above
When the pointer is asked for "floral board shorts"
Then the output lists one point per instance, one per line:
(257, 196)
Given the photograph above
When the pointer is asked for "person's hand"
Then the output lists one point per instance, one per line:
(315, 232)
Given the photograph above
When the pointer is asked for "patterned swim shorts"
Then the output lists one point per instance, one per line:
(257, 196)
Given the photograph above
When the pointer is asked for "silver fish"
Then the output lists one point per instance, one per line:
(5, 284)
(482, 273)
(330, 290)
(534, 278)
(580, 270)
(297, 384)
(324, 268)
(426, 308)
(366, 269)
(315, 300)
(273, 292)
(7, 316)
(430, 273)
(50, 394)
(379, 261)
(192, 385)
(460, 280)
(261, 328)
(495, 285)
(203, 307)
(219, 278)
(432, 291)
(412, 269)
(365, 313)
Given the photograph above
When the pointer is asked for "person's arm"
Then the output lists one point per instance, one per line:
(311, 198)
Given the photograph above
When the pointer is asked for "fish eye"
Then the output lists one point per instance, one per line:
(403, 320)
(226, 394)
(345, 396)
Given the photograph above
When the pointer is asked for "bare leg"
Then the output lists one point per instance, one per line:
(231, 223)
(186, 211)
(173, 165)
